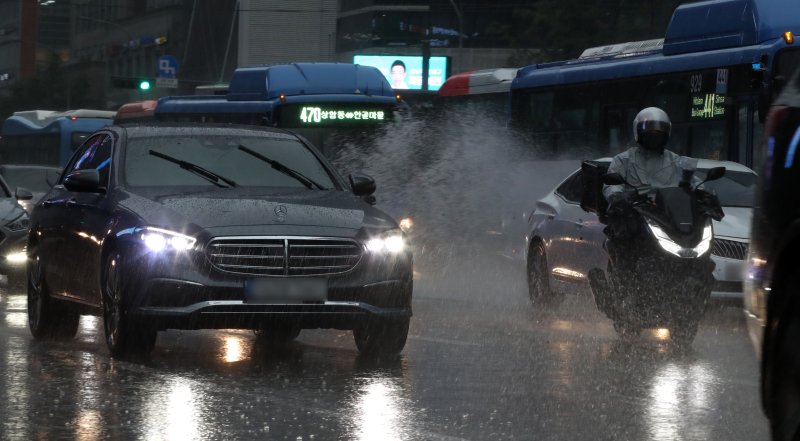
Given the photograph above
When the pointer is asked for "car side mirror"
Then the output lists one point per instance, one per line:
(715, 173)
(85, 181)
(362, 185)
(613, 179)
(23, 194)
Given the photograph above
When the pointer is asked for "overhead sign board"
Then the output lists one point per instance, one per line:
(167, 66)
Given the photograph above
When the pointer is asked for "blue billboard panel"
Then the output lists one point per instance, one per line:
(405, 72)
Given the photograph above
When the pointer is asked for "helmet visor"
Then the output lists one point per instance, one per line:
(654, 126)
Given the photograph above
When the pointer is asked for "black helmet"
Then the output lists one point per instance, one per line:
(651, 129)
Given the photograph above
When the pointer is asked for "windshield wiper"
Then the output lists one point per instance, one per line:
(308, 182)
(210, 176)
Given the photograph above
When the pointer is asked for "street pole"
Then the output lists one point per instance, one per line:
(460, 18)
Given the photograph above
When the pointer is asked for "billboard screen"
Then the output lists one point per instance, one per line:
(405, 72)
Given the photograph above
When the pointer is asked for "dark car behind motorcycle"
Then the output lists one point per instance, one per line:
(660, 272)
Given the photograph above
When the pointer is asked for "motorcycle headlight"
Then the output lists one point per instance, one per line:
(705, 243)
(159, 239)
(673, 248)
(20, 223)
(390, 242)
(664, 241)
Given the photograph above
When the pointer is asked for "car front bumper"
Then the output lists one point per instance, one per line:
(728, 280)
(185, 292)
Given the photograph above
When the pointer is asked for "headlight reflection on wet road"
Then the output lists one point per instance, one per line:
(677, 394)
(378, 411)
(17, 315)
(233, 349)
(174, 412)
(88, 424)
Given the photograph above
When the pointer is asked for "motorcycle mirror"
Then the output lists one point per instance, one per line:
(613, 179)
(715, 173)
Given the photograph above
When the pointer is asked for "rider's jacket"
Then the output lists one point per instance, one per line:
(640, 167)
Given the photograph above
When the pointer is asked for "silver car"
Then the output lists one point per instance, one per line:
(564, 242)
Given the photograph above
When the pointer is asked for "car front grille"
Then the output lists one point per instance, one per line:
(283, 256)
(729, 249)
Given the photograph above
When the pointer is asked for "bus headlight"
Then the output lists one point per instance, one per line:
(391, 242)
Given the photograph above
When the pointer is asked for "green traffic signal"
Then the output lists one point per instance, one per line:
(144, 85)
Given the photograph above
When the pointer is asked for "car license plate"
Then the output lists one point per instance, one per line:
(285, 291)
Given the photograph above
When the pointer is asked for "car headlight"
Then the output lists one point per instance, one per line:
(17, 257)
(20, 223)
(389, 242)
(159, 239)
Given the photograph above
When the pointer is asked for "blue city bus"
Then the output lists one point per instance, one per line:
(314, 100)
(715, 72)
(47, 137)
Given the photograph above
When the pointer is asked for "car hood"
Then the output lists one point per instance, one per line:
(735, 224)
(237, 211)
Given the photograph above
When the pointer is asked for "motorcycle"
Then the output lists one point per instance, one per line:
(659, 273)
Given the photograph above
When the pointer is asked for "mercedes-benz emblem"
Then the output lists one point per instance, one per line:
(280, 213)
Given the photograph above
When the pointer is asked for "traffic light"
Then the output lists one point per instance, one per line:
(143, 84)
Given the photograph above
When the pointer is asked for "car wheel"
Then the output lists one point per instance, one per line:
(538, 277)
(382, 336)
(784, 372)
(276, 335)
(48, 319)
(124, 335)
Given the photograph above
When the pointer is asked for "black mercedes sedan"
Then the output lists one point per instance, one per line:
(159, 227)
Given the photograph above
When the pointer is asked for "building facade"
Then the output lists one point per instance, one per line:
(277, 31)
(125, 39)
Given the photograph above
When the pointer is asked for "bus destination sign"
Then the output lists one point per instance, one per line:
(708, 106)
(312, 115)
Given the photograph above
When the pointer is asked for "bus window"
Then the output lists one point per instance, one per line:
(576, 109)
(672, 96)
(710, 141)
(541, 111)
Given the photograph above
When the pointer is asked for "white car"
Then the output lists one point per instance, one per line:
(571, 239)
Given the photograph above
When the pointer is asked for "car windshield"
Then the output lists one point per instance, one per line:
(37, 179)
(221, 154)
(735, 189)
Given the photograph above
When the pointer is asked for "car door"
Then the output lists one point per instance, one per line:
(54, 246)
(89, 214)
(577, 248)
(75, 227)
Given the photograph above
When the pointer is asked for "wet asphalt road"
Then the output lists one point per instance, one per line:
(480, 363)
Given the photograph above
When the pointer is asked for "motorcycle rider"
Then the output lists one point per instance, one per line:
(648, 163)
